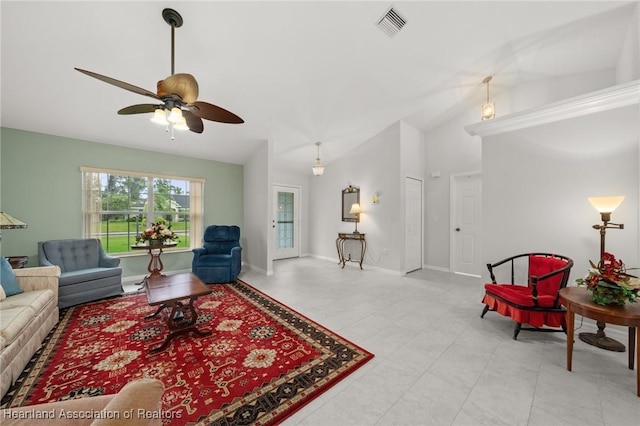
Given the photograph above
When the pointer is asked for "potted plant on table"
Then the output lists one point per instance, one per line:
(158, 234)
(609, 282)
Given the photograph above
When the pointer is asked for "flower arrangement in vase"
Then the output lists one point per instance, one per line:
(158, 233)
(609, 282)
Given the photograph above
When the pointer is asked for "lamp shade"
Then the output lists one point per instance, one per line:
(606, 204)
(488, 111)
(175, 116)
(318, 170)
(355, 208)
(159, 117)
(181, 124)
(9, 222)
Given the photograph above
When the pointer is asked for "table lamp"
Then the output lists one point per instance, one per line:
(356, 210)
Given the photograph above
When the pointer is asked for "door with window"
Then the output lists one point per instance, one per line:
(286, 221)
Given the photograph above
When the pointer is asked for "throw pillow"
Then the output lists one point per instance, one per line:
(8, 278)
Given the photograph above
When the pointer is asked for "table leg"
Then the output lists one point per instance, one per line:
(155, 266)
(632, 346)
(637, 340)
(570, 329)
(178, 323)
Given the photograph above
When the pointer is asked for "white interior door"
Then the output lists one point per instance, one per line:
(413, 223)
(286, 221)
(466, 221)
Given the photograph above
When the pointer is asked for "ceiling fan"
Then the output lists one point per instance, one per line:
(178, 93)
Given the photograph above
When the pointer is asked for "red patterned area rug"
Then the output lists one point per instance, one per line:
(262, 363)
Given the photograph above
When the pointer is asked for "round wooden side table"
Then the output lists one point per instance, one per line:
(577, 300)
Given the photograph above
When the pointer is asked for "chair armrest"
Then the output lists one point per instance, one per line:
(42, 257)
(141, 394)
(108, 261)
(136, 397)
(39, 278)
(198, 251)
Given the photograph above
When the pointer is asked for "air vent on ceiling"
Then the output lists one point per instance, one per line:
(391, 23)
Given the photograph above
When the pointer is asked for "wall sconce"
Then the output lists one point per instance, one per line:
(606, 206)
(488, 109)
(318, 169)
(356, 210)
(374, 198)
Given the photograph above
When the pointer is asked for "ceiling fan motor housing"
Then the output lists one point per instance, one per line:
(183, 85)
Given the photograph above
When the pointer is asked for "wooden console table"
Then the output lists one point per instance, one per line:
(155, 263)
(340, 241)
(577, 300)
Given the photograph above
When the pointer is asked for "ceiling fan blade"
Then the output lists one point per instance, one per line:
(214, 113)
(139, 109)
(193, 121)
(120, 84)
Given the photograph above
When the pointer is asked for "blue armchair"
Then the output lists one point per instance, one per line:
(88, 272)
(219, 260)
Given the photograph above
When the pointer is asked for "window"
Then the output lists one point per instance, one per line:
(119, 205)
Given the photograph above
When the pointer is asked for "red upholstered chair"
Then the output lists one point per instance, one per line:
(535, 302)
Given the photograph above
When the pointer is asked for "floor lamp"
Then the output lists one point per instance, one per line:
(606, 206)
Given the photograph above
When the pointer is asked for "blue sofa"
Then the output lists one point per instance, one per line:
(219, 260)
(88, 273)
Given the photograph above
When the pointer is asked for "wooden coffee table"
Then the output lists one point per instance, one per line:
(176, 294)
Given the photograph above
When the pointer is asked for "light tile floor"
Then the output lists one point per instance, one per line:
(438, 363)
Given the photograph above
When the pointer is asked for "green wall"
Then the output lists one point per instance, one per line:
(40, 184)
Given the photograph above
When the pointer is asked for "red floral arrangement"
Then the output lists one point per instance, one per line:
(609, 282)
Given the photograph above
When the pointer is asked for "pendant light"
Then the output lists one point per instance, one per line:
(488, 109)
(318, 169)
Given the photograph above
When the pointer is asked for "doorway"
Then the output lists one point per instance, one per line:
(413, 224)
(466, 220)
(286, 221)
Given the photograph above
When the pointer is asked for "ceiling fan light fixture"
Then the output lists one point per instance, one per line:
(181, 124)
(175, 116)
(159, 117)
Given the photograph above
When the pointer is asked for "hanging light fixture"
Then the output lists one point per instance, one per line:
(172, 119)
(488, 109)
(318, 169)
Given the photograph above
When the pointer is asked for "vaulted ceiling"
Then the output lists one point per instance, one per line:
(296, 72)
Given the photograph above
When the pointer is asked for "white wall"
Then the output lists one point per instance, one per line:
(628, 68)
(536, 182)
(378, 165)
(372, 166)
(257, 208)
(450, 150)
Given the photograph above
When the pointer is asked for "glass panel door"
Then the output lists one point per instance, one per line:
(286, 221)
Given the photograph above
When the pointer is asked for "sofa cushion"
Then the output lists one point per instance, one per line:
(8, 279)
(89, 274)
(19, 310)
